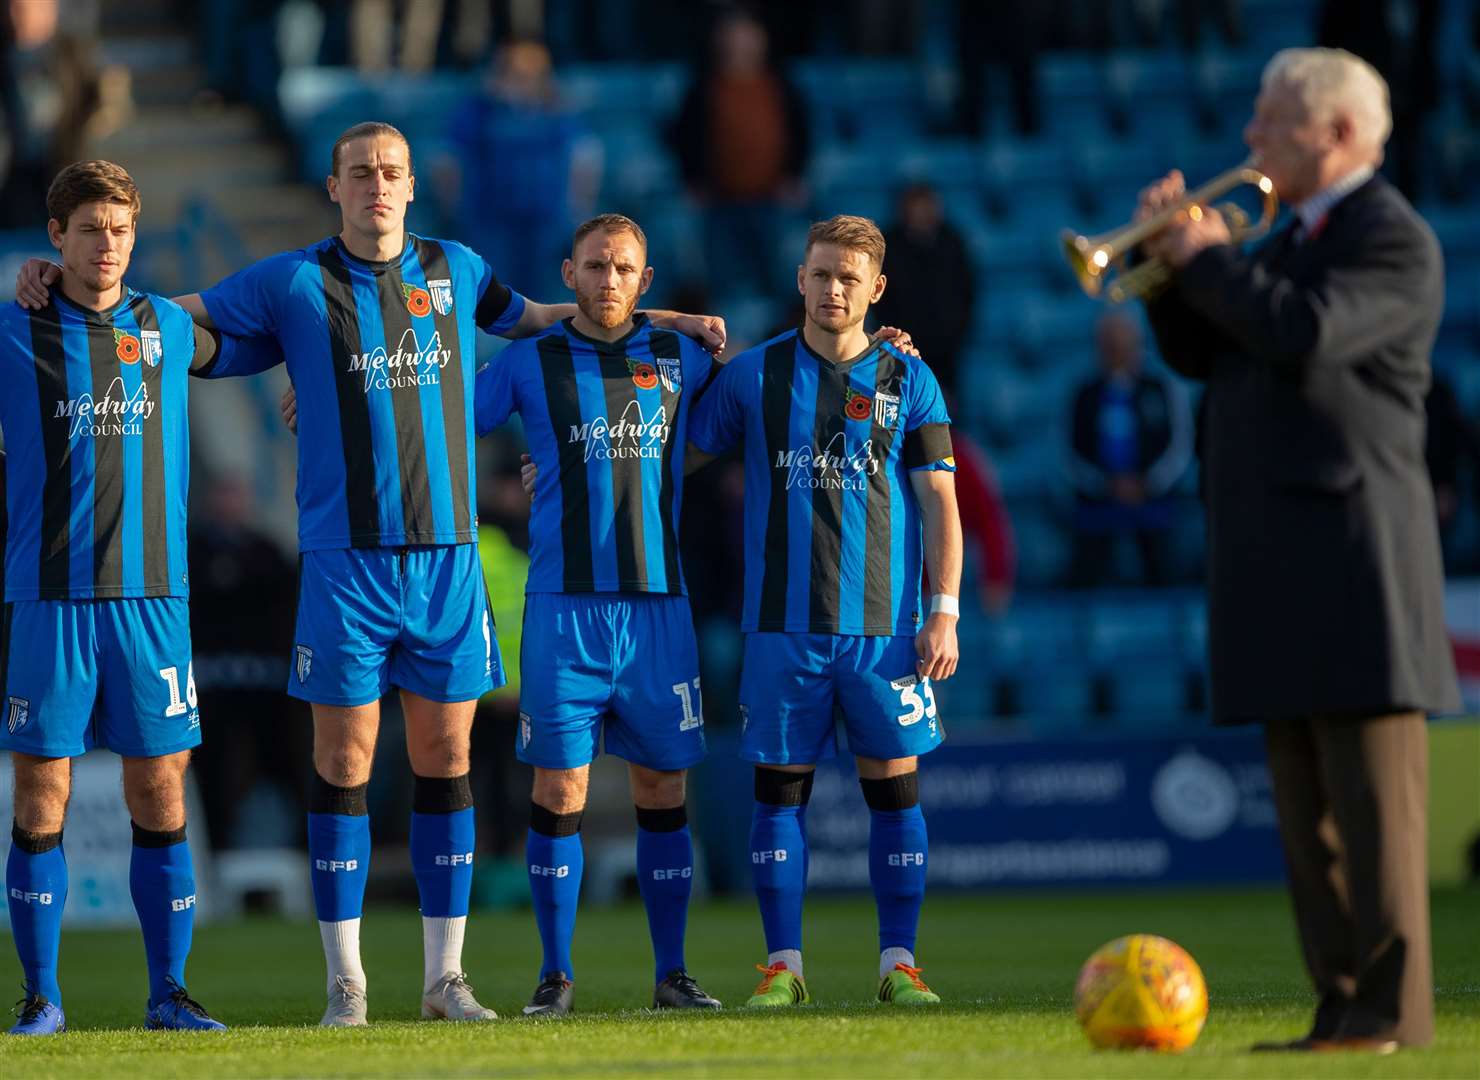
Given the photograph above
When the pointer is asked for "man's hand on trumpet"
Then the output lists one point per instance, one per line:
(1189, 233)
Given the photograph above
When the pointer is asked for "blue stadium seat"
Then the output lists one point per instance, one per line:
(1224, 86)
(1019, 174)
(1147, 95)
(1071, 86)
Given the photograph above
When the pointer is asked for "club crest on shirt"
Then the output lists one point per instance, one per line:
(18, 715)
(669, 373)
(644, 374)
(304, 663)
(126, 346)
(152, 346)
(418, 300)
(441, 290)
(886, 409)
(857, 406)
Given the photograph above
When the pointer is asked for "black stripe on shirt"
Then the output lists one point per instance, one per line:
(354, 405)
(404, 367)
(54, 569)
(628, 532)
(829, 434)
(926, 445)
(878, 562)
(558, 370)
(156, 479)
(666, 345)
(435, 266)
(778, 370)
(108, 470)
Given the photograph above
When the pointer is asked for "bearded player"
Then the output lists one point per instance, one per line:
(849, 486)
(378, 328)
(608, 653)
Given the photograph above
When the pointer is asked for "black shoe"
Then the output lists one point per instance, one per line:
(553, 997)
(680, 991)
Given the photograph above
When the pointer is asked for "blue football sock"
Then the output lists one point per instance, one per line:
(442, 841)
(665, 877)
(36, 885)
(161, 879)
(778, 864)
(897, 847)
(339, 864)
(555, 861)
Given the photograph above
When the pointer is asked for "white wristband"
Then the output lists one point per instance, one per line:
(945, 604)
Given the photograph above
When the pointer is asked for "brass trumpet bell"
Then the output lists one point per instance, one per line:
(1099, 261)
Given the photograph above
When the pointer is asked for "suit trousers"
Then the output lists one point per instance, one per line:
(1352, 798)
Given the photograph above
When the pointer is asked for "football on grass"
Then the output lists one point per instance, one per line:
(1141, 992)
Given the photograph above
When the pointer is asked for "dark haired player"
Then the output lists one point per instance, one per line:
(95, 641)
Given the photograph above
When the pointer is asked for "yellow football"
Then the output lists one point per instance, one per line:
(1141, 992)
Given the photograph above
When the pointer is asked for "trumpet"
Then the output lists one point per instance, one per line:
(1099, 261)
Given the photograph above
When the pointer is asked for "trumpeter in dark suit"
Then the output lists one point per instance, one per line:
(1326, 619)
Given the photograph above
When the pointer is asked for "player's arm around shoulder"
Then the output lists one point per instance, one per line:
(717, 416)
(497, 385)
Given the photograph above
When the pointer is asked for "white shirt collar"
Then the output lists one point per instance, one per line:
(1313, 209)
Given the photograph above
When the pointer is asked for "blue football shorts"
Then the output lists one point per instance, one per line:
(80, 674)
(619, 670)
(414, 617)
(790, 685)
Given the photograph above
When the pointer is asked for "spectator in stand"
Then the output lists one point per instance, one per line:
(522, 172)
(54, 97)
(742, 142)
(985, 525)
(1131, 441)
(1007, 36)
(932, 289)
(241, 623)
(1452, 445)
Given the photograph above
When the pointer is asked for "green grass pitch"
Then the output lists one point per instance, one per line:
(1005, 965)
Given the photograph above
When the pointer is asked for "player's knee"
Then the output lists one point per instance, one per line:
(154, 791)
(560, 791)
(343, 765)
(42, 787)
(893, 793)
(777, 788)
(439, 759)
(657, 790)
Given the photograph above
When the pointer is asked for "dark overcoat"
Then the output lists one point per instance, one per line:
(1325, 585)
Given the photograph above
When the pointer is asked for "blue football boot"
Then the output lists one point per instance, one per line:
(37, 1016)
(180, 1012)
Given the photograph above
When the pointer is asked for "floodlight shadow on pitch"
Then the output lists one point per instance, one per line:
(1099, 261)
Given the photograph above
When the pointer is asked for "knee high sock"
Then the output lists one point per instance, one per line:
(339, 865)
(665, 877)
(36, 887)
(161, 879)
(556, 860)
(897, 850)
(778, 858)
(442, 843)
